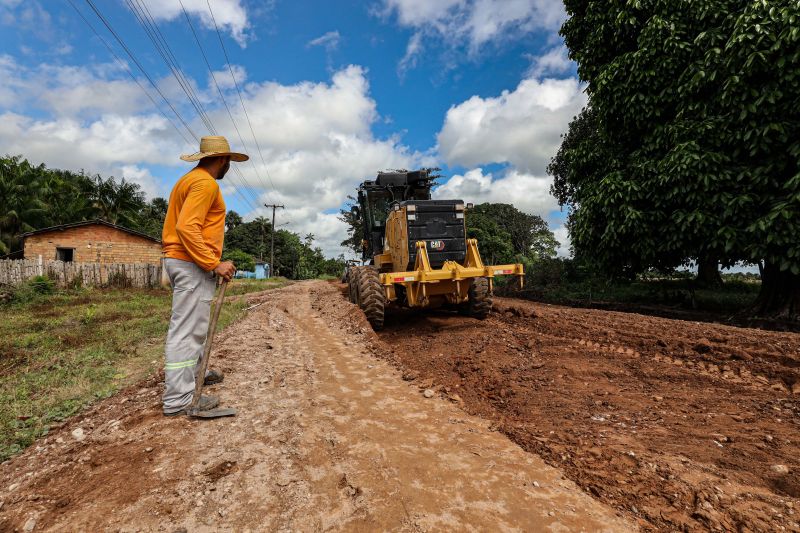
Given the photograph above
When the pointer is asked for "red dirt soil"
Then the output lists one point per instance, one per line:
(680, 425)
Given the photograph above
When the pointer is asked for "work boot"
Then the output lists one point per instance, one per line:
(206, 403)
(213, 377)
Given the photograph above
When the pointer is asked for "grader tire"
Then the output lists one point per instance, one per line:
(352, 283)
(480, 299)
(371, 297)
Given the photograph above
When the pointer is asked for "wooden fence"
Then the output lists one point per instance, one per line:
(69, 274)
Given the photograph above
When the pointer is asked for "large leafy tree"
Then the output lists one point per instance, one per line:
(689, 147)
(505, 233)
(250, 237)
(242, 260)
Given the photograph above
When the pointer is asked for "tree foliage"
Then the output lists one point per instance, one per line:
(242, 260)
(355, 228)
(505, 233)
(34, 197)
(295, 258)
(689, 147)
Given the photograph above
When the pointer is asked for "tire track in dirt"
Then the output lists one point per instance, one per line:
(328, 437)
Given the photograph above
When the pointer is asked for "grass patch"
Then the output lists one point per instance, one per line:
(60, 352)
(244, 285)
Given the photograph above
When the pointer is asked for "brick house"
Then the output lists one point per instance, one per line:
(92, 241)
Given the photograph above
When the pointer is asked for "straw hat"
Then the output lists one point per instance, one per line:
(214, 146)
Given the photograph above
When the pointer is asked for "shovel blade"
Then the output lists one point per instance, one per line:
(214, 413)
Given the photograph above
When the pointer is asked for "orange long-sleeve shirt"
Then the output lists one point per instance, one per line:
(194, 227)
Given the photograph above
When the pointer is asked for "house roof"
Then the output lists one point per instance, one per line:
(89, 223)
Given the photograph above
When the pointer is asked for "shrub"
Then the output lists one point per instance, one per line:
(41, 285)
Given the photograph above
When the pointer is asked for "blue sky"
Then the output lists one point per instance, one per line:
(335, 91)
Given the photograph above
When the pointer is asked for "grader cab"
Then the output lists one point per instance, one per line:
(417, 251)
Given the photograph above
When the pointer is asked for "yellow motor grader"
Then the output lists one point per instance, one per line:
(417, 252)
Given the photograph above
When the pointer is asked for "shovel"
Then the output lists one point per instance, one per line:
(200, 376)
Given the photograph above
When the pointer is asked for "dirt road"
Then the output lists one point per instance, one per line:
(329, 437)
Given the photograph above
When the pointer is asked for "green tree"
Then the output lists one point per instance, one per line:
(242, 260)
(689, 148)
(117, 202)
(21, 207)
(34, 197)
(355, 227)
(495, 243)
(505, 233)
(232, 219)
(150, 219)
(251, 237)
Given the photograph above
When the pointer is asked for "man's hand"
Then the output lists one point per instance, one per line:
(225, 270)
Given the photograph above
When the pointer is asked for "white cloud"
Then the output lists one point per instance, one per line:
(329, 41)
(316, 138)
(230, 15)
(553, 62)
(520, 127)
(94, 145)
(318, 145)
(151, 185)
(413, 49)
(561, 234)
(475, 23)
(422, 12)
(69, 90)
(224, 79)
(526, 192)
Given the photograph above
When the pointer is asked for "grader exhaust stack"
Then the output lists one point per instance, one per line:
(417, 249)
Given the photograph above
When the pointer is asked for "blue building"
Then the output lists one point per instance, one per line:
(262, 272)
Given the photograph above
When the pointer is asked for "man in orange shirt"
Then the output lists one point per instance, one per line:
(194, 229)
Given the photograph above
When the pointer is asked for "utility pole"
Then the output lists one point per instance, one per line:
(272, 239)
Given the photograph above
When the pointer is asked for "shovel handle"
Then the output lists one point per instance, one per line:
(200, 375)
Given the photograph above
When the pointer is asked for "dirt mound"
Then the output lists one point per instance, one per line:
(681, 425)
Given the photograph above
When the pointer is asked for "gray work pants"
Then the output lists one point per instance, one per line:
(192, 292)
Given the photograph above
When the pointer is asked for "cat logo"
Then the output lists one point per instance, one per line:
(436, 246)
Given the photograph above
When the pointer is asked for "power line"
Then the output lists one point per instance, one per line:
(155, 36)
(233, 76)
(133, 58)
(248, 202)
(222, 96)
(128, 70)
(146, 21)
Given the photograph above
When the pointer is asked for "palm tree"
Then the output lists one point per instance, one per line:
(21, 209)
(118, 203)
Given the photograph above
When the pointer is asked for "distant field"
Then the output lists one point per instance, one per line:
(60, 352)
